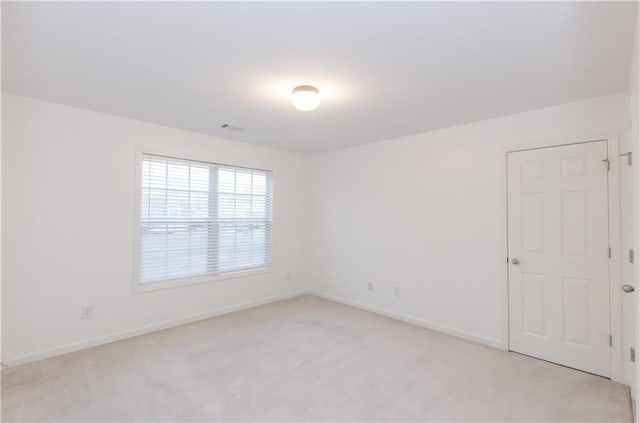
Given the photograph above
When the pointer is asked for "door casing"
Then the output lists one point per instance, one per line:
(628, 186)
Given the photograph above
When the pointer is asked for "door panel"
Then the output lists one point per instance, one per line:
(577, 315)
(558, 231)
(533, 304)
(574, 222)
(533, 222)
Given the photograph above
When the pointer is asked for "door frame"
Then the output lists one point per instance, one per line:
(615, 285)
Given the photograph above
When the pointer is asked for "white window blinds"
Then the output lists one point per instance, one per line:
(200, 219)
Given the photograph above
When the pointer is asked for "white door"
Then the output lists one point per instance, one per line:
(559, 255)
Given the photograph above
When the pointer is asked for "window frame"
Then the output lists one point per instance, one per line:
(188, 280)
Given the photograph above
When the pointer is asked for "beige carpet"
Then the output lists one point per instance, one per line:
(304, 359)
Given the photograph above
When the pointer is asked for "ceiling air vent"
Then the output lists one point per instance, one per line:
(231, 127)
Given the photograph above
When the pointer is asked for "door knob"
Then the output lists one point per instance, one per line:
(628, 288)
(515, 261)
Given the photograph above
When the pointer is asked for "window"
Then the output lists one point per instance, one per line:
(199, 219)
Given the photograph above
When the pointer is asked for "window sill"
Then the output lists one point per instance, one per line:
(176, 283)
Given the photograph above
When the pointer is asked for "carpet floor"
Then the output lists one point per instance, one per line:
(304, 359)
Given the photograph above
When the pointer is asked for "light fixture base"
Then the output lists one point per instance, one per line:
(305, 97)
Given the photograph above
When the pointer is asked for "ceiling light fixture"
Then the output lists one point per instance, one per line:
(305, 97)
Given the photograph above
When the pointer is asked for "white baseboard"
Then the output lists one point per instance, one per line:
(494, 343)
(101, 340)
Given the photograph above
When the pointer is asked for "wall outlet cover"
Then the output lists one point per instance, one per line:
(86, 312)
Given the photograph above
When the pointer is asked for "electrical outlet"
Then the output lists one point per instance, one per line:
(288, 276)
(370, 286)
(396, 291)
(86, 312)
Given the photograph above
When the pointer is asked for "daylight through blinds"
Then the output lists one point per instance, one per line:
(201, 219)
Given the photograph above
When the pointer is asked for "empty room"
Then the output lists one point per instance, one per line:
(319, 211)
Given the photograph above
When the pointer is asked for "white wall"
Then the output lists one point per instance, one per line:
(634, 117)
(0, 204)
(68, 221)
(427, 213)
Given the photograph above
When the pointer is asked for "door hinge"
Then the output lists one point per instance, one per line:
(611, 340)
(631, 255)
(632, 354)
(609, 252)
(607, 164)
(629, 159)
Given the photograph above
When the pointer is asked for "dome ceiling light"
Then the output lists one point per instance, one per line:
(305, 97)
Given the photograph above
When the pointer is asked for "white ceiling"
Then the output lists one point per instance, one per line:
(384, 69)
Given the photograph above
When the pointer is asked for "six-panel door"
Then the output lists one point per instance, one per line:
(558, 235)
